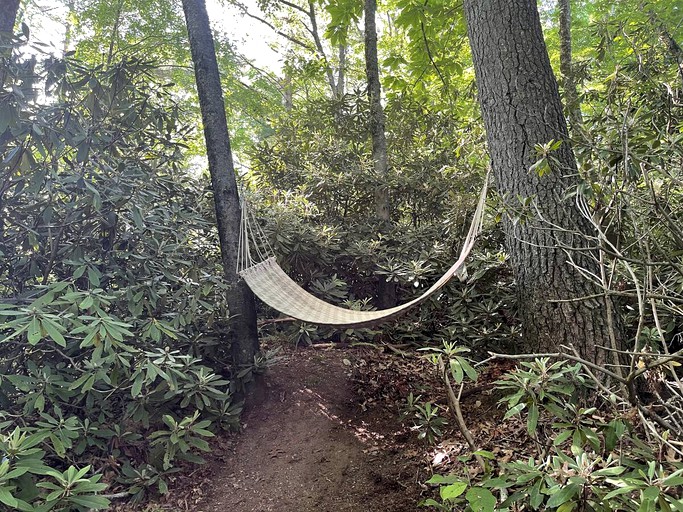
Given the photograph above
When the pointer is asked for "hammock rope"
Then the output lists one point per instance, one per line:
(274, 287)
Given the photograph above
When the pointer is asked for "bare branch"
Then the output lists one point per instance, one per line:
(279, 32)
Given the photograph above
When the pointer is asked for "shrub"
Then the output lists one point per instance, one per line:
(113, 340)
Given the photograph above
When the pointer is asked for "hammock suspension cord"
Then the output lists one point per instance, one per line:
(251, 234)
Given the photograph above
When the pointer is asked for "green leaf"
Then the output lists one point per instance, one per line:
(53, 331)
(200, 444)
(170, 422)
(566, 507)
(7, 498)
(137, 386)
(94, 276)
(613, 471)
(471, 372)
(39, 402)
(79, 382)
(619, 491)
(485, 454)
(532, 421)
(456, 371)
(673, 480)
(535, 496)
(565, 494)
(515, 410)
(34, 331)
(91, 502)
(87, 302)
(440, 479)
(562, 437)
(163, 486)
(58, 445)
(481, 500)
(452, 491)
(432, 503)
(651, 493)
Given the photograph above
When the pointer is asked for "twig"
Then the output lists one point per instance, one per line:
(115, 496)
(269, 321)
(455, 404)
(560, 355)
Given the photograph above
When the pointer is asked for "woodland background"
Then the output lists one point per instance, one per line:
(116, 365)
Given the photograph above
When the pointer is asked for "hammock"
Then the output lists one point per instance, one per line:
(274, 287)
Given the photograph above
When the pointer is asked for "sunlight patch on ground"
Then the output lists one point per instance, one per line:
(361, 431)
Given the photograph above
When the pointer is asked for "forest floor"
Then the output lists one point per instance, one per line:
(322, 433)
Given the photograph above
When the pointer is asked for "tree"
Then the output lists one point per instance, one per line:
(571, 95)
(302, 31)
(8, 14)
(386, 290)
(522, 112)
(228, 212)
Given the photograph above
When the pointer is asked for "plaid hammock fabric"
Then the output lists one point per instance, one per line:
(274, 287)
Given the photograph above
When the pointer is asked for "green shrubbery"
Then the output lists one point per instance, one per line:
(313, 191)
(580, 458)
(113, 345)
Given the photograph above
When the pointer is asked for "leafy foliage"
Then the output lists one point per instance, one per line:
(585, 458)
(114, 321)
(315, 196)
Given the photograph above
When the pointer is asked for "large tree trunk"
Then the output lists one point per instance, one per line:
(8, 14)
(386, 290)
(240, 299)
(521, 107)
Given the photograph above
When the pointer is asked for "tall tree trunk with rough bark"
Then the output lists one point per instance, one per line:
(386, 290)
(8, 14)
(571, 95)
(521, 107)
(240, 299)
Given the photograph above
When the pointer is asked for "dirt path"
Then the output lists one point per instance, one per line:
(307, 446)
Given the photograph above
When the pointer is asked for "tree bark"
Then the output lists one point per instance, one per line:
(321, 50)
(521, 107)
(68, 28)
(244, 335)
(665, 36)
(386, 290)
(571, 95)
(8, 15)
(114, 36)
(341, 72)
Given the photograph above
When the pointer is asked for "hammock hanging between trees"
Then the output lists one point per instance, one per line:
(270, 283)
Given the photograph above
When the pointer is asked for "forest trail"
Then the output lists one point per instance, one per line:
(308, 446)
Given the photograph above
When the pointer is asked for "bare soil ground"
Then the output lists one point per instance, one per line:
(307, 445)
(322, 433)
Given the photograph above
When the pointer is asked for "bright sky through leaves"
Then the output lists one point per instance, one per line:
(47, 21)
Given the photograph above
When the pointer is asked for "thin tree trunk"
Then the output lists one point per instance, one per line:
(521, 107)
(571, 96)
(8, 15)
(319, 46)
(240, 299)
(386, 290)
(68, 28)
(114, 32)
(665, 36)
(341, 72)
(288, 91)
